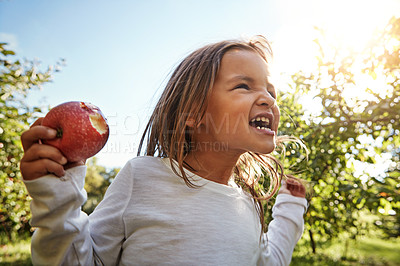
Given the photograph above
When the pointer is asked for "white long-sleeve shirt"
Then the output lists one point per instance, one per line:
(150, 217)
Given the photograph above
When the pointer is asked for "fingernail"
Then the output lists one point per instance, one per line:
(63, 160)
(52, 131)
(62, 178)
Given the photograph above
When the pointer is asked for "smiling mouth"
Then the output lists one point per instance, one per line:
(262, 123)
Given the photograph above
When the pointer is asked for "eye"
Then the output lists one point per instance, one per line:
(271, 91)
(242, 86)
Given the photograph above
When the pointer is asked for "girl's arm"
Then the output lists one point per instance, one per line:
(64, 234)
(67, 236)
(287, 225)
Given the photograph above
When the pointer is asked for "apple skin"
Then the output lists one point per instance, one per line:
(82, 129)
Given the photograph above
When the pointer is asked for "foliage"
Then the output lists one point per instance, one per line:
(16, 80)
(15, 253)
(364, 251)
(355, 125)
(97, 181)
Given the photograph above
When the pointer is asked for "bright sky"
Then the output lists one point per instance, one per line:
(119, 53)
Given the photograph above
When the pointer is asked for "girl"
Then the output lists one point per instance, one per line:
(195, 197)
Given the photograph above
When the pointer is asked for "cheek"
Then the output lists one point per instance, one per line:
(228, 115)
(230, 112)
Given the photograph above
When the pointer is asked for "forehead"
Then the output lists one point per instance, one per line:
(242, 62)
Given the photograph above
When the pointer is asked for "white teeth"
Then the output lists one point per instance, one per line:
(266, 120)
(263, 119)
(264, 128)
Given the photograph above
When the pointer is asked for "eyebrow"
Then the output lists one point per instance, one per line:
(249, 79)
(241, 78)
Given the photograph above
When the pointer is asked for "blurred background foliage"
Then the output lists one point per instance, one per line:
(17, 79)
(351, 129)
(346, 111)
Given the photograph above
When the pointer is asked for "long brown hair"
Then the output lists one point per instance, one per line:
(186, 96)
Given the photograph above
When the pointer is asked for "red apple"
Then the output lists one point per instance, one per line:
(82, 129)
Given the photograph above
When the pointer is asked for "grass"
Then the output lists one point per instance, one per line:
(363, 251)
(388, 250)
(16, 253)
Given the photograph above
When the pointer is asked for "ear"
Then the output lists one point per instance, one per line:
(190, 122)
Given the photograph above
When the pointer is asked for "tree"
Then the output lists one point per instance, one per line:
(17, 78)
(97, 181)
(351, 131)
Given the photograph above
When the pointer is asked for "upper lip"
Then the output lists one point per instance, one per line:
(268, 115)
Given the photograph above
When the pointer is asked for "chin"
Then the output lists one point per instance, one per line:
(268, 151)
(264, 150)
(267, 148)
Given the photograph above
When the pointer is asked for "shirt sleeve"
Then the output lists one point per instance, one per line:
(284, 230)
(67, 236)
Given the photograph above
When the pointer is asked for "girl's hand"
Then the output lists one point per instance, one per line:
(293, 187)
(40, 159)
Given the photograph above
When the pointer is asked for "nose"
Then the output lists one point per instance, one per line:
(266, 99)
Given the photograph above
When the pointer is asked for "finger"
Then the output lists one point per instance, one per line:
(296, 188)
(293, 185)
(35, 133)
(78, 163)
(39, 168)
(38, 122)
(292, 182)
(43, 151)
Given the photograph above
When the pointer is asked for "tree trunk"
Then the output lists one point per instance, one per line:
(312, 241)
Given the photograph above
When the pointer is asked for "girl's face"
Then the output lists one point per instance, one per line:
(242, 114)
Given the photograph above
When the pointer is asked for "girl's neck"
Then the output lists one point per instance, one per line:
(212, 165)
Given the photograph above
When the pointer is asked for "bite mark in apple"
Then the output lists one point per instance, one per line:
(99, 123)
